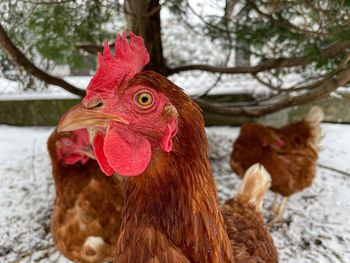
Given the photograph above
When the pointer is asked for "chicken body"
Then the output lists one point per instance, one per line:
(289, 154)
(87, 212)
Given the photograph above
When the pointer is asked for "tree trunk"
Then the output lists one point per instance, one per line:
(143, 18)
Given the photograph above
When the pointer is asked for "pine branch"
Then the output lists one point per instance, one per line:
(19, 58)
(285, 25)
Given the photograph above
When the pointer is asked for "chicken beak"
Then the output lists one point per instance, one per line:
(80, 117)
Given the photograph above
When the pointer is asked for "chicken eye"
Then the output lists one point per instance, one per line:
(67, 142)
(144, 99)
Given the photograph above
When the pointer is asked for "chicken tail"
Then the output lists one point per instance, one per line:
(254, 185)
(314, 118)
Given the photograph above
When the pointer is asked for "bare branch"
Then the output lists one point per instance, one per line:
(92, 48)
(271, 64)
(316, 84)
(333, 50)
(269, 85)
(18, 57)
(316, 94)
(203, 20)
(344, 61)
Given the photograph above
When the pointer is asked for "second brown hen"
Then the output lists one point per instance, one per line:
(289, 154)
(87, 214)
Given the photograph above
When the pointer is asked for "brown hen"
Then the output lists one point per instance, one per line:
(289, 154)
(149, 130)
(87, 213)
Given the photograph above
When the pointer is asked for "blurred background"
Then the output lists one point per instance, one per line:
(236, 58)
(241, 60)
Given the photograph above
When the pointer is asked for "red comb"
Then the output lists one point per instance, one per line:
(129, 59)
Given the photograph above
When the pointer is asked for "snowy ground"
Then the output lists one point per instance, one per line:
(317, 227)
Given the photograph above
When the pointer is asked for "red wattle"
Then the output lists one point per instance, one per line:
(100, 156)
(127, 153)
(73, 158)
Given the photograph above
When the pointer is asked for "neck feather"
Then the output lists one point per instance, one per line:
(177, 196)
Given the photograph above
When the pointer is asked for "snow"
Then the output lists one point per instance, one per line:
(316, 227)
(194, 83)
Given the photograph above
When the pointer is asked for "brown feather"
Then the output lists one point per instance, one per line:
(250, 239)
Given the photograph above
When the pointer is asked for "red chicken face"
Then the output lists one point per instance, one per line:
(129, 117)
(74, 147)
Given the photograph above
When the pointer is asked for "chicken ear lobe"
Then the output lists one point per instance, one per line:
(168, 135)
(127, 153)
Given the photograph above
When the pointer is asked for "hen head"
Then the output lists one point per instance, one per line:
(74, 146)
(262, 136)
(131, 116)
(272, 140)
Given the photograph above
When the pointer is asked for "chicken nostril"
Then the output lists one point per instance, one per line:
(95, 103)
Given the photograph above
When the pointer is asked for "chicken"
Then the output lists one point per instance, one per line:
(149, 130)
(87, 213)
(289, 154)
(250, 240)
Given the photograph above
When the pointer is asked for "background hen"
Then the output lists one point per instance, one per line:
(289, 154)
(87, 213)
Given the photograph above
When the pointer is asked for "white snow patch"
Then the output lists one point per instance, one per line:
(317, 227)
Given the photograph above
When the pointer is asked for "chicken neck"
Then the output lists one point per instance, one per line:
(177, 197)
